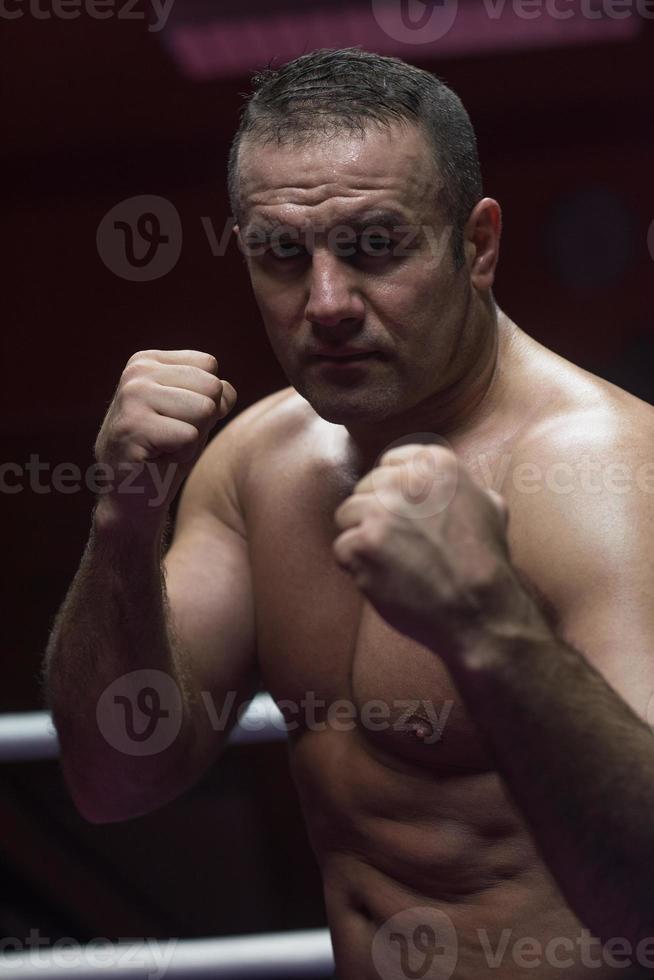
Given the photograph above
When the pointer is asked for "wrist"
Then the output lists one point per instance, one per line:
(500, 617)
(111, 523)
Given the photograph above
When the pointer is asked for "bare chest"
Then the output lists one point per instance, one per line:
(327, 657)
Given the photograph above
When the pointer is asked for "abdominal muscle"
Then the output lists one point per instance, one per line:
(432, 875)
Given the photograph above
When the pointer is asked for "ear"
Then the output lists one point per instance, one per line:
(481, 238)
(236, 231)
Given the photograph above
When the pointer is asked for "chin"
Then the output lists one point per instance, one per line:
(346, 407)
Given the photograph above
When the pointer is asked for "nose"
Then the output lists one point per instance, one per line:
(333, 297)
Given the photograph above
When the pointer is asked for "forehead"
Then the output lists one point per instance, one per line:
(325, 178)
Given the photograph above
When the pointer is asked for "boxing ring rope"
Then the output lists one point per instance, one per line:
(281, 954)
(30, 736)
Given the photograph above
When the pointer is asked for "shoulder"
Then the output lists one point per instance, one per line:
(245, 448)
(580, 488)
(267, 422)
(581, 526)
(564, 417)
(272, 424)
(589, 425)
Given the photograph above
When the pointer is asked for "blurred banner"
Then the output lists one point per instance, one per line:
(238, 38)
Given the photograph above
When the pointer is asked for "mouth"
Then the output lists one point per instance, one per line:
(345, 358)
(353, 357)
(344, 365)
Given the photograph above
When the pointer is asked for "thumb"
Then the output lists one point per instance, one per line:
(227, 399)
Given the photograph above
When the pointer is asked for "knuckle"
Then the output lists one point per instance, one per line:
(211, 363)
(188, 436)
(443, 455)
(206, 407)
(121, 428)
(375, 506)
(391, 458)
(373, 535)
(141, 355)
(122, 432)
(133, 369)
(135, 453)
(134, 388)
(214, 386)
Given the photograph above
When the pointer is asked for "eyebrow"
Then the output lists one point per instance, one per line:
(359, 222)
(381, 218)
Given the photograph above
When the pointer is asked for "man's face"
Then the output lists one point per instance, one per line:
(350, 260)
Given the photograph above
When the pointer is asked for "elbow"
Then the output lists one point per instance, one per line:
(105, 811)
(102, 811)
(115, 803)
(102, 804)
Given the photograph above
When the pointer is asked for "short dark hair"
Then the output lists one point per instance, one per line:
(332, 90)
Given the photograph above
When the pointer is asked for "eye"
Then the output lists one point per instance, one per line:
(286, 250)
(375, 245)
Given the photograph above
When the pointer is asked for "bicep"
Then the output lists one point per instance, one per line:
(611, 622)
(602, 583)
(210, 603)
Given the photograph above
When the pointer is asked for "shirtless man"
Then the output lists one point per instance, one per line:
(489, 829)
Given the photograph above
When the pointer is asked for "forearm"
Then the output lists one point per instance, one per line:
(580, 765)
(112, 623)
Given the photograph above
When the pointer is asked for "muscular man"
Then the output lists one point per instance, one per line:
(466, 676)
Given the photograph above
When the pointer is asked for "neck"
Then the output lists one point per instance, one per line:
(466, 401)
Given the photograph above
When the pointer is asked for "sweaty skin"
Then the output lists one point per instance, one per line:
(397, 821)
(406, 809)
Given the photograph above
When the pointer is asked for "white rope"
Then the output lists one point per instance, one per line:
(27, 736)
(30, 735)
(262, 722)
(306, 954)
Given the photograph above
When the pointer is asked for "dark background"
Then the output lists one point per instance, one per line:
(98, 111)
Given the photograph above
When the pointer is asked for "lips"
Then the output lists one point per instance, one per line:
(343, 354)
(347, 359)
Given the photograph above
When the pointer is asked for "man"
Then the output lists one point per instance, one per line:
(483, 796)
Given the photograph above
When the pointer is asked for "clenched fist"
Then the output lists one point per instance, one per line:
(432, 559)
(158, 423)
